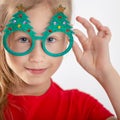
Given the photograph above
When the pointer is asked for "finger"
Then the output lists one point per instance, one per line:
(107, 32)
(101, 34)
(77, 51)
(87, 25)
(97, 23)
(81, 37)
(103, 31)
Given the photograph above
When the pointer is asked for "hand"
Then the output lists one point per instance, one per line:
(94, 55)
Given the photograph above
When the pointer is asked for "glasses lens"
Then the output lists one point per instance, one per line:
(57, 42)
(19, 42)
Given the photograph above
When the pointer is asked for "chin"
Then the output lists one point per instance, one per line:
(35, 81)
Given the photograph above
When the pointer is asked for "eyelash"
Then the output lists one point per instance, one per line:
(51, 41)
(23, 40)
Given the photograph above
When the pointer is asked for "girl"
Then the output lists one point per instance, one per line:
(29, 59)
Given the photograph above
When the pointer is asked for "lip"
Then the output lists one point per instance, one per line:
(36, 71)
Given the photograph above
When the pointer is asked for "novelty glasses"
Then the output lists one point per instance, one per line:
(20, 38)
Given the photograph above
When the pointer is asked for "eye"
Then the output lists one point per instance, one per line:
(23, 40)
(51, 40)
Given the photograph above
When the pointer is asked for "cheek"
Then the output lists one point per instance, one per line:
(13, 61)
(56, 62)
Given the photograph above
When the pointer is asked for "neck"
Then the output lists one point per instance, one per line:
(33, 90)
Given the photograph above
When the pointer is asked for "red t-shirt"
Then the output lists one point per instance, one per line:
(55, 104)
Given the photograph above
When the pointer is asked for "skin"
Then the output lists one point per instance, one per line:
(94, 58)
(28, 67)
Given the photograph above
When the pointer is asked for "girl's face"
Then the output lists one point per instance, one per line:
(37, 67)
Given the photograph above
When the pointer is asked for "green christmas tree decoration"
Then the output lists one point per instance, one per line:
(19, 22)
(59, 23)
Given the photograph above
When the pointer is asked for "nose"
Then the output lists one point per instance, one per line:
(37, 55)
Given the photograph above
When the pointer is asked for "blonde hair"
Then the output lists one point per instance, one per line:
(8, 78)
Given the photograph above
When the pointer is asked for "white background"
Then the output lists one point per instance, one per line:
(71, 75)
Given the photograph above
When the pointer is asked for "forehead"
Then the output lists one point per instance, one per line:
(40, 17)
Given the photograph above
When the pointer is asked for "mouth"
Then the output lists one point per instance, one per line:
(36, 71)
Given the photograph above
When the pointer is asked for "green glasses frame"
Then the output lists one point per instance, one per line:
(20, 22)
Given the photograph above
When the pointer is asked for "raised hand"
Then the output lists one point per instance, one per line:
(94, 57)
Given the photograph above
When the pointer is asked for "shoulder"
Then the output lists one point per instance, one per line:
(73, 94)
(82, 102)
(82, 99)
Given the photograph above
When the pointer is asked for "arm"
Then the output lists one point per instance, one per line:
(111, 85)
(94, 58)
